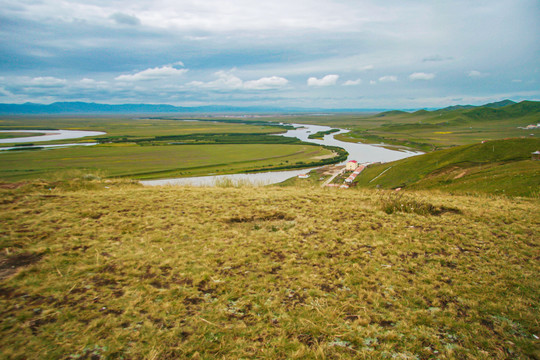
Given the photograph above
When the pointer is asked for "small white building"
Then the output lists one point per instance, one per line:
(351, 165)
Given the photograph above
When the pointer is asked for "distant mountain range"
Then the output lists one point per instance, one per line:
(96, 108)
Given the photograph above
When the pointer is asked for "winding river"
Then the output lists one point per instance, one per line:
(363, 153)
(49, 135)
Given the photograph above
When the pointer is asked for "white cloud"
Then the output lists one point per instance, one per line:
(156, 73)
(227, 80)
(372, 82)
(47, 81)
(325, 81)
(88, 83)
(367, 67)
(266, 83)
(388, 78)
(352, 82)
(421, 76)
(476, 74)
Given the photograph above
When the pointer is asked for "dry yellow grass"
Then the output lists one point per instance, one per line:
(117, 271)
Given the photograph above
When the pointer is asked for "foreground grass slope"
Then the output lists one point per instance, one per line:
(112, 270)
(501, 166)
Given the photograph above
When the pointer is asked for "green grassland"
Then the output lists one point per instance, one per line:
(130, 129)
(428, 130)
(500, 167)
(12, 135)
(147, 162)
(112, 270)
(160, 148)
(431, 130)
(321, 134)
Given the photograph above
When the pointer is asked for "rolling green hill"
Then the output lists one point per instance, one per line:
(501, 166)
(459, 125)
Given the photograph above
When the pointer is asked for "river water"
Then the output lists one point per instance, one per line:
(50, 135)
(363, 153)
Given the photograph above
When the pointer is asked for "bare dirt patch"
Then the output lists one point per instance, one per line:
(460, 175)
(10, 263)
(323, 157)
(11, 186)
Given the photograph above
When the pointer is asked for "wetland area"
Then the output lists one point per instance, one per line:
(365, 153)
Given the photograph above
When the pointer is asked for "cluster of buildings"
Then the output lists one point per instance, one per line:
(351, 165)
(356, 170)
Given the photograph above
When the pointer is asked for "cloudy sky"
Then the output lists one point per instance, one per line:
(306, 53)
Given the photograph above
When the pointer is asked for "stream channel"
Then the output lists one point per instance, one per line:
(49, 135)
(363, 153)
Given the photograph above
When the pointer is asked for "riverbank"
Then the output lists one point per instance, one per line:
(238, 149)
(361, 152)
(47, 135)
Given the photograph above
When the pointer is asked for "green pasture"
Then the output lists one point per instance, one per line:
(130, 128)
(429, 130)
(156, 161)
(500, 166)
(13, 135)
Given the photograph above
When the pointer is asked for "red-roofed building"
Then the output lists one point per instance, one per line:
(351, 165)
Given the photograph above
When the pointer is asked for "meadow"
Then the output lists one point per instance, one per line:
(108, 269)
(159, 148)
(503, 167)
(129, 128)
(94, 265)
(150, 162)
(432, 130)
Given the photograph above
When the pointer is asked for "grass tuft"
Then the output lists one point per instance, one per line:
(116, 271)
(398, 202)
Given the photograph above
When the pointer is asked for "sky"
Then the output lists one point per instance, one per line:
(392, 54)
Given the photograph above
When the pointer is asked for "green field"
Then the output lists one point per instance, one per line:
(110, 270)
(160, 148)
(500, 167)
(428, 130)
(129, 128)
(146, 162)
(12, 135)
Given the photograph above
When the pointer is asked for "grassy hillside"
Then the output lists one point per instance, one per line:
(501, 166)
(109, 270)
(428, 130)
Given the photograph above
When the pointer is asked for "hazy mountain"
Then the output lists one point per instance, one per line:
(95, 108)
